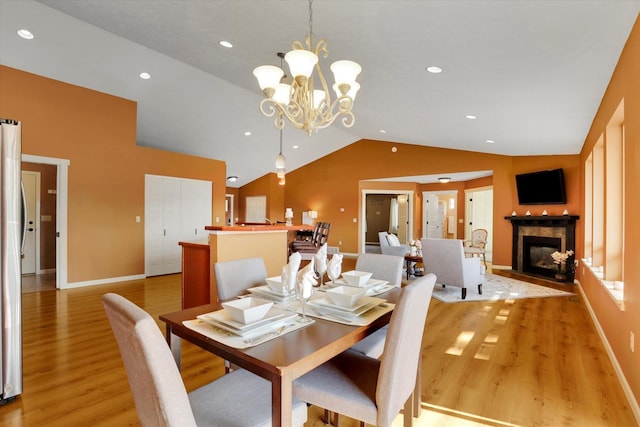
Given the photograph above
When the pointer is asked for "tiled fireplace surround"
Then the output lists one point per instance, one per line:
(555, 228)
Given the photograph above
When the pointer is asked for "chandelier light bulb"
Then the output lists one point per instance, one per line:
(268, 77)
(283, 94)
(280, 161)
(301, 62)
(345, 71)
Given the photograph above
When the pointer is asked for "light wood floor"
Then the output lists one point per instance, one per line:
(535, 362)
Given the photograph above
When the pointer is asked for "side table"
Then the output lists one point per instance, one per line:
(412, 258)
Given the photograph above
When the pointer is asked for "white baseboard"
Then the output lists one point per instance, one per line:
(103, 281)
(46, 271)
(633, 402)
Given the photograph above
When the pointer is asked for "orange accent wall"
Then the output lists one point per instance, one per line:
(335, 181)
(617, 324)
(266, 186)
(97, 133)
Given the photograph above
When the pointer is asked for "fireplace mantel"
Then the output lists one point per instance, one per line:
(562, 226)
(543, 220)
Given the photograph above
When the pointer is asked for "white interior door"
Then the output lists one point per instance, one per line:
(31, 185)
(479, 214)
(433, 217)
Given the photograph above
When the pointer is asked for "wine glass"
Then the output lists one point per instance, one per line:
(288, 287)
(320, 267)
(304, 291)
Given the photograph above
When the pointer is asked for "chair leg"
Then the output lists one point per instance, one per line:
(408, 412)
(464, 293)
(480, 288)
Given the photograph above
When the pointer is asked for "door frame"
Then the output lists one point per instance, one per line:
(362, 230)
(62, 194)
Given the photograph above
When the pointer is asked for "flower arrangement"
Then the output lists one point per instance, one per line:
(415, 246)
(561, 257)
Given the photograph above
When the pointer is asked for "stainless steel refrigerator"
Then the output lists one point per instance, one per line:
(11, 238)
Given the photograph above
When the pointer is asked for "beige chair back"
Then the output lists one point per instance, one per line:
(399, 366)
(383, 267)
(158, 391)
(235, 277)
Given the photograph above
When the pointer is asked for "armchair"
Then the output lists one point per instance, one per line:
(445, 258)
(476, 246)
(390, 245)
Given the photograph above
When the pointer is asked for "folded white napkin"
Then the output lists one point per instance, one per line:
(321, 259)
(334, 269)
(307, 280)
(290, 272)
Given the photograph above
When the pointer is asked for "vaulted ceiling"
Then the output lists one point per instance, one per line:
(532, 72)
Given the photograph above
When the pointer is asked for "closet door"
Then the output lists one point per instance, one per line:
(176, 210)
(195, 208)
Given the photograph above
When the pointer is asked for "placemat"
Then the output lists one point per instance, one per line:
(232, 340)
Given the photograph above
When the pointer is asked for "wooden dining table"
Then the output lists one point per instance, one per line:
(282, 359)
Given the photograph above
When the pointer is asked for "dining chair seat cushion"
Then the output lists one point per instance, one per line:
(246, 402)
(346, 384)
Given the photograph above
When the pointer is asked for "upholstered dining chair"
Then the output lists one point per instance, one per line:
(236, 276)
(374, 390)
(159, 394)
(383, 267)
(476, 246)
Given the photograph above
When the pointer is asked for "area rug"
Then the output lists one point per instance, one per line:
(496, 288)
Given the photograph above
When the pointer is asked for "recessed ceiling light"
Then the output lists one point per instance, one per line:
(145, 76)
(25, 34)
(247, 133)
(490, 141)
(232, 178)
(471, 117)
(382, 131)
(226, 44)
(433, 69)
(295, 147)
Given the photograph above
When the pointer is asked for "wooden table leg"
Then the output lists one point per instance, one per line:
(408, 411)
(281, 400)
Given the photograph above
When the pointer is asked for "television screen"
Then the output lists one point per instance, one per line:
(541, 188)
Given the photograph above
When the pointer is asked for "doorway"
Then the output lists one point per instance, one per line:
(439, 214)
(385, 210)
(50, 220)
(479, 214)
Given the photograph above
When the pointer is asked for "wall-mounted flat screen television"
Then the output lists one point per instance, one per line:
(541, 188)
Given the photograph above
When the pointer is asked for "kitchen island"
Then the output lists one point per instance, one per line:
(226, 243)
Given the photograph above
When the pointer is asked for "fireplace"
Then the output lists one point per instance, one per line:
(536, 255)
(535, 238)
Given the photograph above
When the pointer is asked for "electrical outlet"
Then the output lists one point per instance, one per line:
(632, 339)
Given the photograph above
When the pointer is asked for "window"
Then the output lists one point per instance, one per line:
(604, 206)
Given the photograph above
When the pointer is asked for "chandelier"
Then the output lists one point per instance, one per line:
(305, 106)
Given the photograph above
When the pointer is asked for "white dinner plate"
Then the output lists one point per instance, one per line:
(266, 291)
(327, 305)
(222, 320)
(370, 283)
(365, 300)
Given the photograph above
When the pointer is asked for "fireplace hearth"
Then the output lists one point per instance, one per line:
(535, 238)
